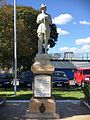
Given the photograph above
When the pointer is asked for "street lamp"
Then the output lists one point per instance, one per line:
(15, 51)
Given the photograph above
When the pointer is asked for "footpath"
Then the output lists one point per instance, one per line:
(68, 110)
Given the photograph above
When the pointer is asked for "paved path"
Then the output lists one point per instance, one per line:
(67, 110)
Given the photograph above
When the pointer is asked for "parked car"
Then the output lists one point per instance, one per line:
(81, 74)
(5, 80)
(26, 79)
(59, 78)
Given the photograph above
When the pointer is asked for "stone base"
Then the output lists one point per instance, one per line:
(41, 116)
(49, 104)
(48, 111)
(42, 108)
(42, 64)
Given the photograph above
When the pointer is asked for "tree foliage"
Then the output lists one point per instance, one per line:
(2, 3)
(6, 36)
(26, 36)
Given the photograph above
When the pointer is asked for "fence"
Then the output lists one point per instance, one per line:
(70, 56)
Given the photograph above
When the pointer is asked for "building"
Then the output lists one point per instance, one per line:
(69, 63)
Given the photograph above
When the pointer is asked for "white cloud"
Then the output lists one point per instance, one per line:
(62, 19)
(62, 32)
(85, 22)
(83, 49)
(83, 41)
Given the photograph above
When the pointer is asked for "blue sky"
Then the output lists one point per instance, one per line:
(72, 18)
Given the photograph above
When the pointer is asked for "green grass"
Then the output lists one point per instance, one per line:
(68, 94)
(58, 94)
(23, 94)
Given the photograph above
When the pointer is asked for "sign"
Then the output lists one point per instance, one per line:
(42, 86)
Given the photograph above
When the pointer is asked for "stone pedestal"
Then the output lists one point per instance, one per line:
(49, 110)
(49, 104)
(42, 64)
(40, 116)
(42, 107)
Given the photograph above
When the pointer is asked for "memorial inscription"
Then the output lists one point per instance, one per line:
(42, 86)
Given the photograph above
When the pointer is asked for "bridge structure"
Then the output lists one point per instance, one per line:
(71, 56)
(70, 59)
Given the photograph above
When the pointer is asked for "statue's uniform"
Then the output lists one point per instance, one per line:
(44, 20)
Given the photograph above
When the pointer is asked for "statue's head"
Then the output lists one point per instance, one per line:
(43, 7)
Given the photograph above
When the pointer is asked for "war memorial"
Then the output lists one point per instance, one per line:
(42, 105)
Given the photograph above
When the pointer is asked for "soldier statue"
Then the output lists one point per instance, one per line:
(44, 20)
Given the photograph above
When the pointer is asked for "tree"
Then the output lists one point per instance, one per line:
(6, 37)
(2, 3)
(26, 36)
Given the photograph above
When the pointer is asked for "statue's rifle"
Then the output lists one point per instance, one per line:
(45, 36)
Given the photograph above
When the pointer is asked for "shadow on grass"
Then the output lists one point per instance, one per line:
(20, 97)
(6, 89)
(70, 88)
(12, 88)
(17, 97)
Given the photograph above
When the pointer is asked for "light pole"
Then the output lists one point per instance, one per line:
(15, 51)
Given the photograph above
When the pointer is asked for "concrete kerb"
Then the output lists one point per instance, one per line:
(68, 101)
(58, 101)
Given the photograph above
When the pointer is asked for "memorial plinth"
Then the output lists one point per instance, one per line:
(42, 64)
(42, 105)
(47, 105)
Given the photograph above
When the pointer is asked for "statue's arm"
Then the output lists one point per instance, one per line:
(39, 19)
(49, 20)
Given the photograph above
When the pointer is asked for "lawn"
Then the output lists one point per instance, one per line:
(68, 94)
(58, 93)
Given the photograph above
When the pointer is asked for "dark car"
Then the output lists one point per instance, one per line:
(5, 80)
(59, 78)
(26, 79)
